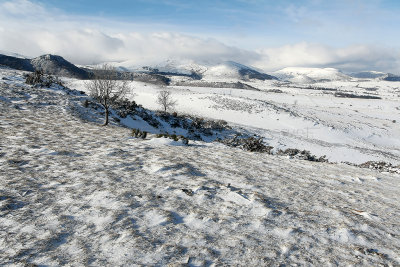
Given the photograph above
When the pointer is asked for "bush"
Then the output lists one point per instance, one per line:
(125, 107)
(302, 154)
(380, 166)
(134, 132)
(185, 141)
(34, 78)
(38, 78)
(196, 126)
(252, 144)
(86, 103)
(174, 137)
(139, 134)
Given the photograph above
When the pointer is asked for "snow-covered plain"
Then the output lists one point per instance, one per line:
(74, 193)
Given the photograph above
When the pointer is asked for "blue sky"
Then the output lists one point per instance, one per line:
(348, 34)
(338, 22)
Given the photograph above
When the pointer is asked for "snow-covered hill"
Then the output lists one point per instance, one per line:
(310, 75)
(223, 72)
(178, 67)
(57, 65)
(50, 64)
(232, 71)
(75, 193)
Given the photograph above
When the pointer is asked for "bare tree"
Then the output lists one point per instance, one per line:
(106, 87)
(164, 99)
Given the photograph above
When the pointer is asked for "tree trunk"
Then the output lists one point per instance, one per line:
(106, 117)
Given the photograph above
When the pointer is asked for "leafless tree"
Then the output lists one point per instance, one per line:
(164, 99)
(106, 87)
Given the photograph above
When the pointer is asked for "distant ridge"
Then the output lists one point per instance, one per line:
(50, 64)
(368, 74)
(16, 63)
(311, 75)
(228, 70)
(391, 78)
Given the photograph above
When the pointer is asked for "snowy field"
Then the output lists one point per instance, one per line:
(74, 193)
(344, 129)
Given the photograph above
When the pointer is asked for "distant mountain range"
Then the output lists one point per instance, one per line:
(225, 71)
(56, 65)
(368, 74)
(376, 75)
(228, 71)
(313, 75)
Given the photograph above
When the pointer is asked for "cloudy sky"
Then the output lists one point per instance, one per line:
(351, 35)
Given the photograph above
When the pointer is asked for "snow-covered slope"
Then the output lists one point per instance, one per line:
(75, 193)
(309, 75)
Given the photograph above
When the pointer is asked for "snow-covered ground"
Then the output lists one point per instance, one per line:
(303, 116)
(74, 193)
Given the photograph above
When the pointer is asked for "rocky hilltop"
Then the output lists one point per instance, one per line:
(57, 65)
(50, 64)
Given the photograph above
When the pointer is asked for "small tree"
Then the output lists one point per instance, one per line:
(106, 87)
(164, 99)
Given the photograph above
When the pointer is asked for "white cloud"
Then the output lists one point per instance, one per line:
(32, 29)
(351, 58)
(92, 46)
